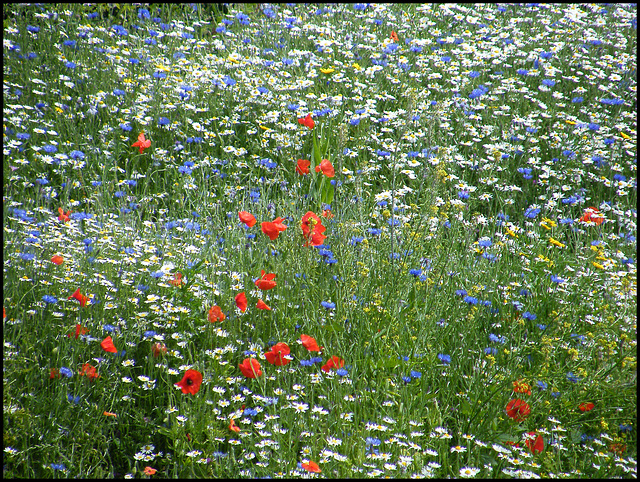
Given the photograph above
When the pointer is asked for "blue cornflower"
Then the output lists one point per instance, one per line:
(556, 279)
(163, 121)
(531, 213)
(484, 242)
(460, 292)
(472, 300)
(490, 350)
(77, 155)
(59, 466)
(572, 378)
(406, 379)
(66, 372)
(49, 299)
(541, 385)
(496, 338)
(28, 256)
(415, 374)
(328, 305)
(625, 428)
(73, 399)
(371, 442)
(529, 316)
(446, 359)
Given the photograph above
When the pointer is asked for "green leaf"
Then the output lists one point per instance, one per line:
(327, 192)
(317, 157)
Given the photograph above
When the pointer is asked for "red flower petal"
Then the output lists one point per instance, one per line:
(241, 301)
(190, 382)
(247, 218)
(302, 167)
(216, 314)
(263, 306)
(107, 345)
(250, 368)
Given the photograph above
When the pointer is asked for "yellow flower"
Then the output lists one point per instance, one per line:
(328, 71)
(356, 66)
(557, 243)
(548, 223)
(624, 136)
(597, 265)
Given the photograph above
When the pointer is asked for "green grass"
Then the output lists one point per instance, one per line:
(458, 261)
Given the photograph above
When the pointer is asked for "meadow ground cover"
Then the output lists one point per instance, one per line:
(354, 240)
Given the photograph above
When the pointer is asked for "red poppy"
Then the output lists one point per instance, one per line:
(273, 228)
(107, 345)
(89, 371)
(233, 427)
(241, 301)
(263, 306)
(303, 166)
(216, 314)
(265, 282)
(190, 382)
(310, 343)
(142, 143)
(586, 406)
(521, 387)
(592, 215)
(177, 280)
(250, 368)
(270, 230)
(518, 410)
(394, 36)
(80, 297)
(62, 216)
(80, 330)
(535, 443)
(326, 213)
(277, 354)
(55, 373)
(247, 218)
(333, 362)
(57, 260)
(311, 466)
(307, 121)
(326, 167)
(617, 448)
(312, 229)
(158, 349)
(109, 414)
(149, 471)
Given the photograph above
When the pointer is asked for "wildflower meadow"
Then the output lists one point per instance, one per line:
(319, 241)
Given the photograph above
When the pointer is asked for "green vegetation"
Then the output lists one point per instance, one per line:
(441, 198)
